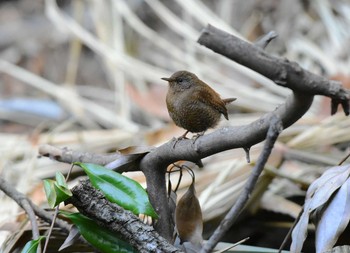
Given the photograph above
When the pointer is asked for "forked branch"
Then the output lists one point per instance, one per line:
(304, 85)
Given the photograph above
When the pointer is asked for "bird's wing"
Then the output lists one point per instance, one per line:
(212, 99)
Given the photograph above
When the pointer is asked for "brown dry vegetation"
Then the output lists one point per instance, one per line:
(87, 75)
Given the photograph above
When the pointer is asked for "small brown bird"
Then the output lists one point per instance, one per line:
(192, 104)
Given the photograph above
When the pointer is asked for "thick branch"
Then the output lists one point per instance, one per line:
(141, 236)
(228, 137)
(281, 71)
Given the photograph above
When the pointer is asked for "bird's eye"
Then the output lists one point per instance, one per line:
(180, 80)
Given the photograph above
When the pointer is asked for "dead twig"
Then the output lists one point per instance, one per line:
(274, 130)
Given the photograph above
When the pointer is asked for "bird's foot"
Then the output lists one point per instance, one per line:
(196, 136)
(182, 137)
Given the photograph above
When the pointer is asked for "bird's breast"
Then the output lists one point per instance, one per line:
(191, 114)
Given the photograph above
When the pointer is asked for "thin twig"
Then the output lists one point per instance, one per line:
(55, 215)
(344, 159)
(48, 217)
(272, 134)
(265, 40)
(23, 202)
(234, 245)
(30, 208)
(67, 155)
(51, 228)
(285, 240)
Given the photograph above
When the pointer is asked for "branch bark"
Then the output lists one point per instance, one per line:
(142, 237)
(66, 155)
(282, 71)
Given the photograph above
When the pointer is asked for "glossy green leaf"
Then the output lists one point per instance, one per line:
(119, 189)
(56, 191)
(32, 246)
(60, 179)
(99, 237)
(62, 187)
(50, 192)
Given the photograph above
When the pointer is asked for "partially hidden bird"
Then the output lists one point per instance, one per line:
(192, 104)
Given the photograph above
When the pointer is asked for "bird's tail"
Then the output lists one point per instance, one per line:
(228, 100)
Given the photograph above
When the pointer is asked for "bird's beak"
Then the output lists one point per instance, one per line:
(167, 79)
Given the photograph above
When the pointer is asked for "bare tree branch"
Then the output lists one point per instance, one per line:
(23, 201)
(272, 134)
(154, 164)
(265, 40)
(66, 155)
(141, 236)
(282, 71)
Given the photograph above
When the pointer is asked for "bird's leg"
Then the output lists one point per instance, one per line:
(195, 137)
(180, 138)
(184, 135)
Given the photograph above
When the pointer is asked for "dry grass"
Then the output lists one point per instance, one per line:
(109, 50)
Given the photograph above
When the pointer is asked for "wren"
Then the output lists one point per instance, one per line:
(192, 104)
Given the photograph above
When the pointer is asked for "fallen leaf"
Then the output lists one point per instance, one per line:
(334, 220)
(339, 249)
(188, 218)
(71, 239)
(319, 192)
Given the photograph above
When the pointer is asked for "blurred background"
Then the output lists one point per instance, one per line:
(86, 75)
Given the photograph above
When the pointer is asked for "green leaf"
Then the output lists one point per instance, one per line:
(32, 246)
(56, 191)
(62, 188)
(119, 189)
(60, 179)
(50, 192)
(99, 237)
